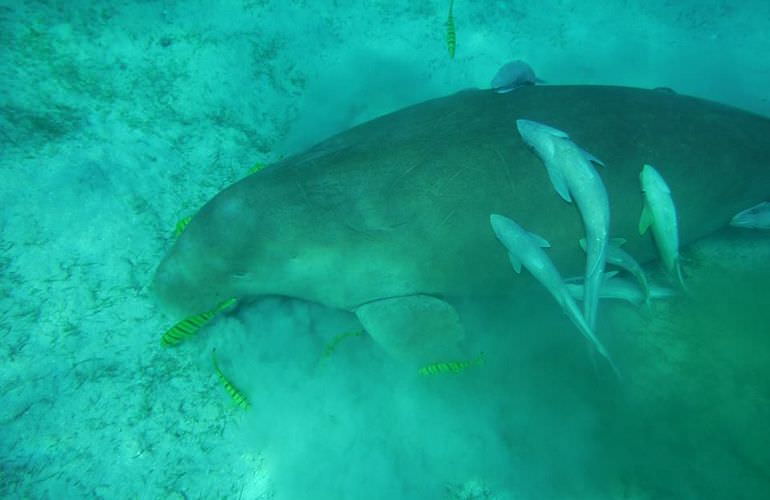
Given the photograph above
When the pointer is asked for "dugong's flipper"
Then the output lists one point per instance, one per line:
(413, 328)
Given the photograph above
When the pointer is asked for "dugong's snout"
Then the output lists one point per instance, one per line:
(181, 292)
(169, 290)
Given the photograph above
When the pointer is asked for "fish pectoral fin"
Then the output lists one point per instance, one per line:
(618, 242)
(539, 240)
(559, 183)
(413, 328)
(646, 220)
(515, 262)
(588, 156)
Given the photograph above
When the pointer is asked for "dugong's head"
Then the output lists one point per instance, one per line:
(190, 280)
(238, 244)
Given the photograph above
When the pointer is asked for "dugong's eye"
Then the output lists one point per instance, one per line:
(240, 275)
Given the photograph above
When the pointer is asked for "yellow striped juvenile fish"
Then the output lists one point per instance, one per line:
(238, 398)
(451, 366)
(190, 325)
(179, 228)
(451, 35)
(257, 167)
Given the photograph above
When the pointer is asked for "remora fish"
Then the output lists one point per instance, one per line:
(573, 176)
(526, 249)
(615, 288)
(660, 213)
(756, 217)
(392, 216)
(513, 75)
(620, 258)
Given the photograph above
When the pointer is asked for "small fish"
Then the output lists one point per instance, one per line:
(573, 176)
(238, 398)
(179, 228)
(190, 325)
(525, 249)
(257, 167)
(451, 366)
(622, 289)
(756, 217)
(332, 345)
(619, 257)
(660, 213)
(513, 75)
(451, 35)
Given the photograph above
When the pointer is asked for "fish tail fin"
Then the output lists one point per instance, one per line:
(606, 355)
(679, 277)
(598, 347)
(614, 367)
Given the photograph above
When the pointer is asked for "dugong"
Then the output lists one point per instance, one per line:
(390, 219)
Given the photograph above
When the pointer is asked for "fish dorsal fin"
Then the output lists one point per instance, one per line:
(588, 156)
(515, 262)
(539, 240)
(646, 220)
(559, 183)
(618, 242)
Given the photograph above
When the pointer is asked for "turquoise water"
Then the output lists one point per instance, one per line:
(117, 121)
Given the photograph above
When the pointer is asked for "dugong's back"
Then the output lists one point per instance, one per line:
(401, 205)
